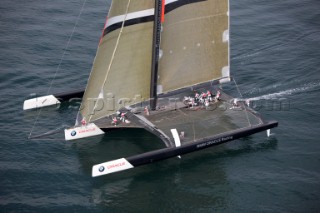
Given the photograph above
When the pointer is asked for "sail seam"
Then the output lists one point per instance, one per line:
(193, 19)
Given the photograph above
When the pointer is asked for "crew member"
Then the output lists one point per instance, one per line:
(114, 121)
(83, 122)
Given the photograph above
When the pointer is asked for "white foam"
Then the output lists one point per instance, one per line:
(303, 88)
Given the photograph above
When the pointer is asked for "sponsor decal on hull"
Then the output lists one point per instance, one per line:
(82, 132)
(218, 140)
(110, 167)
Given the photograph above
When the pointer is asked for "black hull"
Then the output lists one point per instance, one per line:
(165, 153)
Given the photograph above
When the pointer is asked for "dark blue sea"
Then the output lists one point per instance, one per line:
(275, 58)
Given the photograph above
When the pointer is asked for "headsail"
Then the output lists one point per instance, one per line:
(121, 69)
(194, 43)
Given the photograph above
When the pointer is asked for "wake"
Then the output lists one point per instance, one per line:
(284, 93)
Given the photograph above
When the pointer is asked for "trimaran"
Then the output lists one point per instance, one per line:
(158, 66)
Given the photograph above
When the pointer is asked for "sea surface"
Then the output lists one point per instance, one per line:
(275, 58)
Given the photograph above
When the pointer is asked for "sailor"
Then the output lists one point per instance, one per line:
(209, 95)
(118, 114)
(193, 102)
(206, 103)
(201, 100)
(217, 98)
(146, 111)
(235, 102)
(123, 117)
(204, 95)
(114, 121)
(181, 135)
(83, 121)
(196, 96)
(248, 102)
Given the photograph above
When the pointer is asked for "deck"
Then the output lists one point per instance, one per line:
(192, 123)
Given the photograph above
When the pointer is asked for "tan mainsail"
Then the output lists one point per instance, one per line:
(121, 69)
(194, 45)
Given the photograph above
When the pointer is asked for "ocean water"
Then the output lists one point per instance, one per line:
(274, 59)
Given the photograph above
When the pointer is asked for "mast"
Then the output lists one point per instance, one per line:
(155, 53)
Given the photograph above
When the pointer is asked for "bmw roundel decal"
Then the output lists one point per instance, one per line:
(101, 168)
(73, 133)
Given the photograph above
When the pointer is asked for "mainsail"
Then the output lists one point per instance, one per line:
(121, 69)
(194, 43)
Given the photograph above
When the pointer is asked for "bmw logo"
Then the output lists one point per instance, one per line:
(101, 168)
(73, 133)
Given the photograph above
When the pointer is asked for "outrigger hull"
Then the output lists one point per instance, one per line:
(170, 152)
(49, 100)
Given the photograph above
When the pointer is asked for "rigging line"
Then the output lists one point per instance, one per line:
(58, 68)
(112, 57)
(51, 132)
(67, 46)
(192, 121)
(245, 108)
